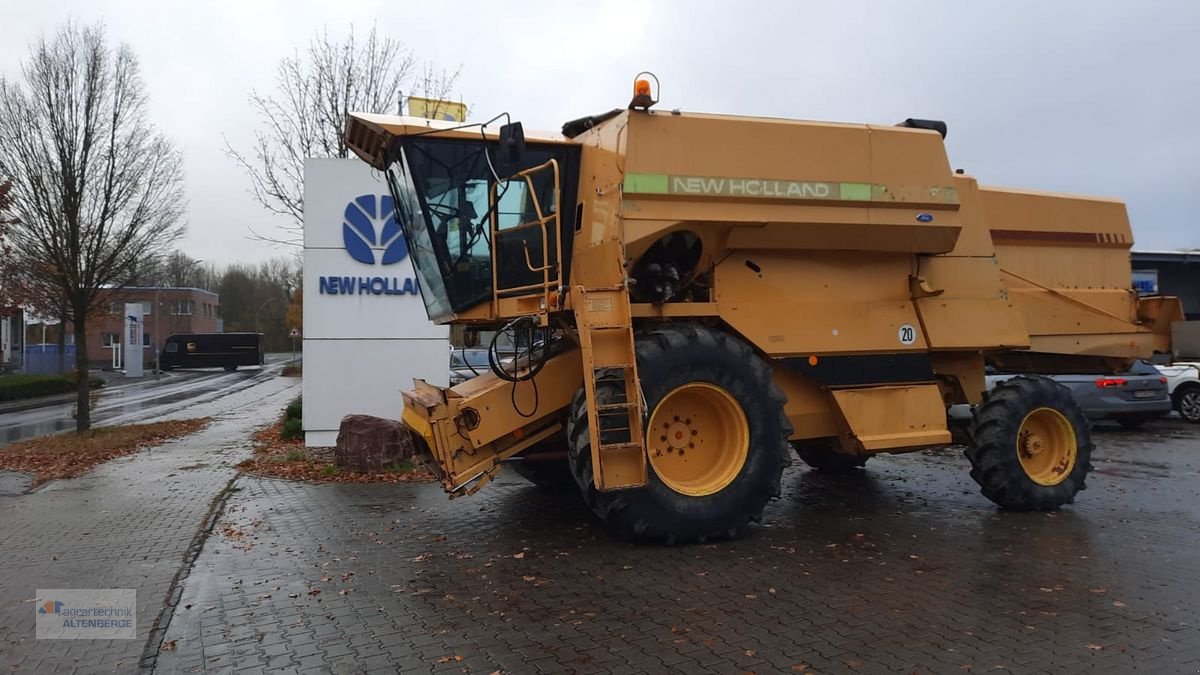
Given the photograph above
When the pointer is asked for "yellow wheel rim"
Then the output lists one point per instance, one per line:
(698, 439)
(1046, 446)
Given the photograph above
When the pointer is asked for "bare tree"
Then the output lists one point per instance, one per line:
(175, 270)
(96, 188)
(306, 116)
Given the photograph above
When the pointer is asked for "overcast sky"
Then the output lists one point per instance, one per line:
(1098, 97)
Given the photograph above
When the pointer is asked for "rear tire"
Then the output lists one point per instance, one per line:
(822, 455)
(669, 358)
(1031, 448)
(1187, 402)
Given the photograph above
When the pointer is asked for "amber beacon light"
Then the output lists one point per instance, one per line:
(644, 95)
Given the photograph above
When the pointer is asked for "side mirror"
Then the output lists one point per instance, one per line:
(512, 145)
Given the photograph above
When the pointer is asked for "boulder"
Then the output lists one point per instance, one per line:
(368, 444)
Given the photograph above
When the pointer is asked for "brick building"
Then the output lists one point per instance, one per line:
(166, 311)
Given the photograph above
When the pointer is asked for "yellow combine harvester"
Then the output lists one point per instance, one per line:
(694, 296)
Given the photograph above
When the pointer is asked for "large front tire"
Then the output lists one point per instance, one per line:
(1031, 446)
(720, 464)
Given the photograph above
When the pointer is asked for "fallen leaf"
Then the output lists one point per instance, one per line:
(168, 646)
(1094, 647)
(72, 454)
(519, 555)
(1118, 603)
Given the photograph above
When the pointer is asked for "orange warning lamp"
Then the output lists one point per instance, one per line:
(643, 92)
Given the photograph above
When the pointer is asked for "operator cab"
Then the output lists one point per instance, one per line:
(460, 194)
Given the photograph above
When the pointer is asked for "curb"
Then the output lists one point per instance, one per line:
(158, 630)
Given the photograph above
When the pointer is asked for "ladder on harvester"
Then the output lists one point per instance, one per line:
(602, 316)
(606, 341)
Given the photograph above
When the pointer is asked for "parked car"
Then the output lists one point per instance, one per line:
(462, 361)
(1130, 399)
(1183, 383)
(212, 350)
(468, 363)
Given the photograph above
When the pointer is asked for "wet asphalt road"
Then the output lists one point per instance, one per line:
(122, 403)
(903, 567)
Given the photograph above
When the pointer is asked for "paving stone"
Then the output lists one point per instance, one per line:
(902, 567)
(126, 524)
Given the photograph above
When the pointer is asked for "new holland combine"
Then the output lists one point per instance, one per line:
(695, 297)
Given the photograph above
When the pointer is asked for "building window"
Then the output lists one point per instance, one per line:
(183, 307)
(116, 307)
(147, 306)
(109, 339)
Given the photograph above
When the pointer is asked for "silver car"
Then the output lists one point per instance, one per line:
(468, 363)
(1130, 399)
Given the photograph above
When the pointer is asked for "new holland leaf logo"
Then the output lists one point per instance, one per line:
(369, 225)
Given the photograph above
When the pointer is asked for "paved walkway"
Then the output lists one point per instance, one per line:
(901, 568)
(127, 524)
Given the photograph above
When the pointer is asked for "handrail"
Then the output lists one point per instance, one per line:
(542, 221)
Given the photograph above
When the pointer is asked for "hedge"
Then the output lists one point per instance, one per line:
(17, 387)
(295, 409)
(293, 427)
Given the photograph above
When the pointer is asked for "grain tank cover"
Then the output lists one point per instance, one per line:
(793, 184)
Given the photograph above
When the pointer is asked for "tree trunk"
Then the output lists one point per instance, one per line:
(83, 414)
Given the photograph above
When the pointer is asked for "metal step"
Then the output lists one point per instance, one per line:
(617, 447)
(615, 407)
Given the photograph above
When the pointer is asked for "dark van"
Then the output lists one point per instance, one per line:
(212, 350)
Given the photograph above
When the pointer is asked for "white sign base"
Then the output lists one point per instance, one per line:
(365, 338)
